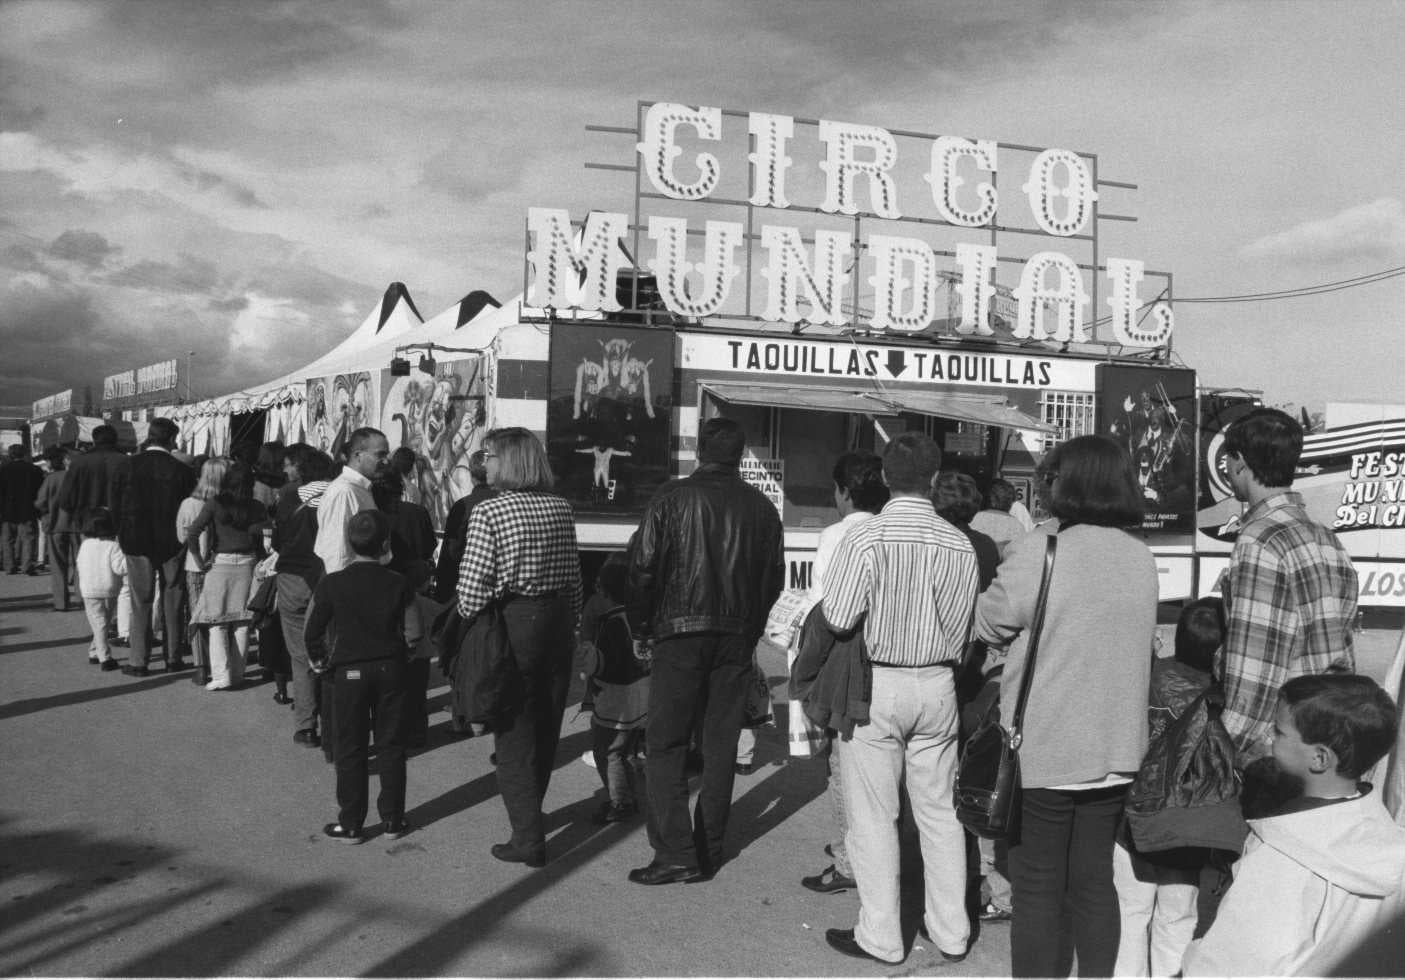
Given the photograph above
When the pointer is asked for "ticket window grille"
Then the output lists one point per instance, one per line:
(1071, 412)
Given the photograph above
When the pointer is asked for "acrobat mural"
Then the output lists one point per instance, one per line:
(617, 376)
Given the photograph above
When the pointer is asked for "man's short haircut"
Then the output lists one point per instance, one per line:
(161, 432)
(1096, 483)
(359, 438)
(1002, 495)
(1269, 441)
(367, 533)
(910, 461)
(104, 435)
(478, 466)
(861, 474)
(1200, 630)
(55, 455)
(721, 440)
(522, 461)
(956, 497)
(613, 580)
(17, 450)
(1348, 713)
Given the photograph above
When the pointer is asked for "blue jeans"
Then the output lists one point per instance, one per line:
(293, 596)
(1064, 856)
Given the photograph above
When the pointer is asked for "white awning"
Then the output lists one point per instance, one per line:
(984, 410)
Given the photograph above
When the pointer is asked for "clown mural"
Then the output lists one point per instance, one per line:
(440, 418)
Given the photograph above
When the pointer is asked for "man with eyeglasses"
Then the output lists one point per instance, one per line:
(367, 456)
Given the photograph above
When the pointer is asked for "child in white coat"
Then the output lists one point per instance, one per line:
(101, 567)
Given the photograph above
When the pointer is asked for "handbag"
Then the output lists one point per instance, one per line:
(988, 774)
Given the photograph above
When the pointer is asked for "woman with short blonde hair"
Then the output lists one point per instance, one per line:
(521, 460)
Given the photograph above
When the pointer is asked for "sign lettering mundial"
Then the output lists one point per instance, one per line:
(858, 164)
(141, 381)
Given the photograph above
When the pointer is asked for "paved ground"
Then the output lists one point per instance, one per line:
(148, 827)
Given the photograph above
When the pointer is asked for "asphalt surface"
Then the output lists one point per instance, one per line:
(151, 828)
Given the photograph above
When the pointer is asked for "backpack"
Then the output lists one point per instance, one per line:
(1186, 793)
(617, 663)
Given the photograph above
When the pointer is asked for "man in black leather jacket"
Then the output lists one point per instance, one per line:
(705, 568)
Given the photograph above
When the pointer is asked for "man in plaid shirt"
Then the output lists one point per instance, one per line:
(1290, 589)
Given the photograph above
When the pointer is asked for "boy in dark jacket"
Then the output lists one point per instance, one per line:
(360, 626)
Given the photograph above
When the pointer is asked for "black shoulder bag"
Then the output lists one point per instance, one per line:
(988, 775)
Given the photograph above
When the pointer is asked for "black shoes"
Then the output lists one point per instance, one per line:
(949, 957)
(307, 737)
(109, 665)
(342, 835)
(658, 873)
(828, 881)
(615, 813)
(281, 697)
(532, 857)
(744, 768)
(990, 912)
(131, 671)
(843, 940)
(176, 666)
(396, 829)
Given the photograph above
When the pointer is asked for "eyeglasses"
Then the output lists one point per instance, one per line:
(490, 455)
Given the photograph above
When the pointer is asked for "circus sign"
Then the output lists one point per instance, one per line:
(935, 220)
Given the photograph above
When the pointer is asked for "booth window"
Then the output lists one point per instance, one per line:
(1071, 412)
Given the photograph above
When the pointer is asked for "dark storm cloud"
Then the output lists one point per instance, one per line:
(205, 180)
(189, 275)
(233, 304)
(87, 248)
(307, 284)
(17, 118)
(20, 258)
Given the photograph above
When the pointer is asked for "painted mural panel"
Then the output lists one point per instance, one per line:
(441, 417)
(338, 405)
(610, 415)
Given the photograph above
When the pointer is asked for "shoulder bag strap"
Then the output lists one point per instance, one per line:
(1017, 719)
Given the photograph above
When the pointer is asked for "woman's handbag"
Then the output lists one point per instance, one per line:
(988, 775)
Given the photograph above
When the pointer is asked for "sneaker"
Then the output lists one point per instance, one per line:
(990, 912)
(342, 835)
(396, 829)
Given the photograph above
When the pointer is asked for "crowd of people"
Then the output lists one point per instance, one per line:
(920, 613)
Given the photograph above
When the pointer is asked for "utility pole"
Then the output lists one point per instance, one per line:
(189, 371)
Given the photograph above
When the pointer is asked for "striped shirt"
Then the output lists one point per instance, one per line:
(1290, 601)
(914, 575)
(523, 542)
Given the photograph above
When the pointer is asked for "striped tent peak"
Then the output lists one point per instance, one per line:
(461, 313)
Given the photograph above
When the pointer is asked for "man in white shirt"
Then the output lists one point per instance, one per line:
(367, 456)
(910, 579)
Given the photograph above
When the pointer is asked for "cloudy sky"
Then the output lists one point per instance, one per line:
(243, 179)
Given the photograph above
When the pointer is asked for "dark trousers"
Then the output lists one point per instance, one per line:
(63, 567)
(612, 749)
(703, 675)
(369, 696)
(1064, 855)
(416, 701)
(540, 633)
(19, 542)
(143, 571)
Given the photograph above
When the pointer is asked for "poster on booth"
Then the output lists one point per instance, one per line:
(1351, 476)
(610, 415)
(441, 418)
(768, 476)
(1151, 413)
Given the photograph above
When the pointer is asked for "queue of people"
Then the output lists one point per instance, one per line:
(924, 618)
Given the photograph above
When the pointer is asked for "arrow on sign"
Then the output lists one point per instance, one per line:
(897, 360)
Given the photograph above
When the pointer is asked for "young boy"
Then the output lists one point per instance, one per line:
(101, 566)
(1158, 896)
(370, 614)
(1320, 889)
(618, 685)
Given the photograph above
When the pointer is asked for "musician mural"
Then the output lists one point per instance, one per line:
(440, 417)
(608, 421)
(1151, 412)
